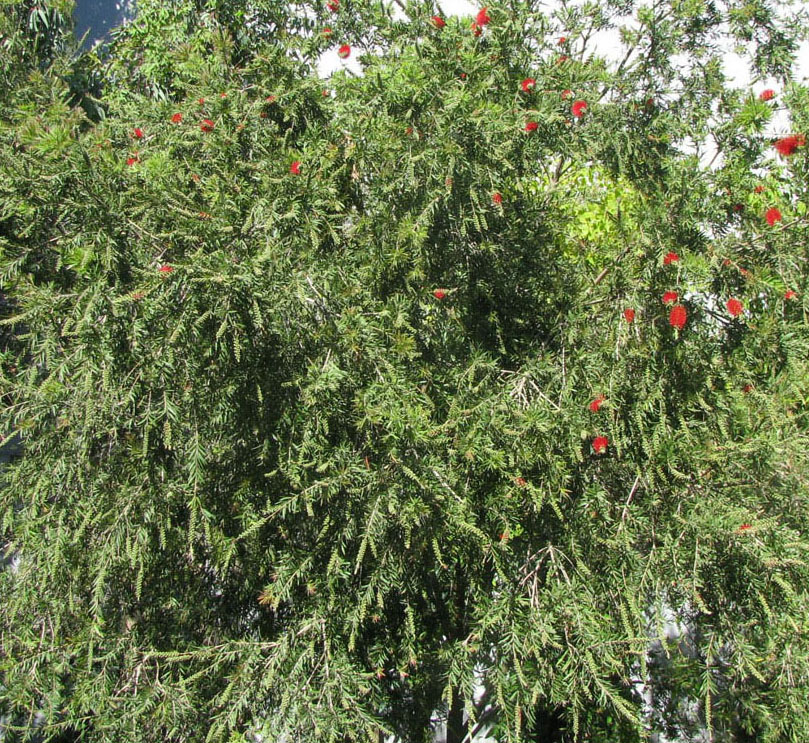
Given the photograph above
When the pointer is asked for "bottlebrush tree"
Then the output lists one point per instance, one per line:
(345, 414)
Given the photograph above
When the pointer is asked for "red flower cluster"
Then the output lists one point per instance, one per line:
(670, 258)
(344, 51)
(333, 5)
(670, 297)
(137, 132)
(566, 94)
(787, 145)
(326, 32)
(600, 444)
(438, 21)
(629, 314)
(562, 39)
(772, 216)
(176, 118)
(528, 84)
(132, 160)
(295, 168)
(766, 95)
(476, 30)
(790, 295)
(734, 307)
(596, 404)
(531, 126)
(759, 189)
(482, 17)
(439, 294)
(497, 197)
(165, 269)
(578, 108)
(677, 317)
(206, 125)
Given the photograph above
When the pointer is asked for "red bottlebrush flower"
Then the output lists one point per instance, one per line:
(596, 404)
(670, 297)
(463, 76)
(600, 444)
(677, 317)
(670, 258)
(566, 94)
(326, 32)
(344, 51)
(206, 125)
(772, 216)
(497, 197)
(562, 40)
(531, 126)
(766, 95)
(759, 189)
(132, 160)
(788, 145)
(482, 18)
(165, 269)
(333, 5)
(747, 389)
(578, 108)
(137, 133)
(201, 101)
(295, 168)
(629, 314)
(520, 481)
(439, 294)
(476, 30)
(790, 295)
(438, 21)
(528, 84)
(735, 307)
(177, 118)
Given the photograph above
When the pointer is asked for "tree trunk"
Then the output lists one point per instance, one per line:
(456, 728)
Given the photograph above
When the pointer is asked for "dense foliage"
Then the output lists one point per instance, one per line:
(343, 399)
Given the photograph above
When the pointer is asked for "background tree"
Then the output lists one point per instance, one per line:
(466, 372)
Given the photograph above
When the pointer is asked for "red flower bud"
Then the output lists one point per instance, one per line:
(596, 404)
(206, 125)
(677, 317)
(578, 108)
(295, 168)
(165, 269)
(497, 197)
(787, 145)
(566, 94)
(629, 314)
(670, 258)
(531, 126)
(520, 481)
(137, 132)
(333, 5)
(438, 21)
(482, 17)
(766, 95)
(790, 295)
(344, 51)
(439, 294)
(670, 297)
(600, 444)
(176, 118)
(734, 307)
(759, 189)
(772, 216)
(528, 84)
